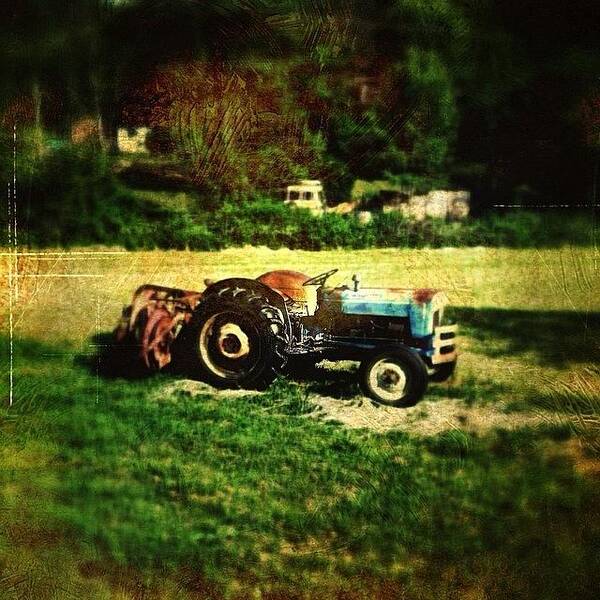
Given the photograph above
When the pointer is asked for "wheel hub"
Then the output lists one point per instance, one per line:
(228, 349)
(233, 342)
(388, 379)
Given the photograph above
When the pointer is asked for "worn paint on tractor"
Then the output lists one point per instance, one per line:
(243, 332)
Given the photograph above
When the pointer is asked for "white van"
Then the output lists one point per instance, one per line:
(307, 193)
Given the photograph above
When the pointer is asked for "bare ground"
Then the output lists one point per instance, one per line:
(428, 417)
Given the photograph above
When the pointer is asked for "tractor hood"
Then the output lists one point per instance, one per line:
(423, 307)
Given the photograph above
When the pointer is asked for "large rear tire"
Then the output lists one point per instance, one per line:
(236, 338)
(394, 377)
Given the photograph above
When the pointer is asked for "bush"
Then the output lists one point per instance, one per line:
(72, 197)
(418, 184)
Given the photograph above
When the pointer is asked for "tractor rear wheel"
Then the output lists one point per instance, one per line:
(236, 338)
(394, 376)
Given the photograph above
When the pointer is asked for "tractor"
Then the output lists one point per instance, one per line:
(243, 333)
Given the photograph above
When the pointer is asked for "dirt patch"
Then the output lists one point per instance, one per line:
(428, 417)
(585, 463)
(198, 388)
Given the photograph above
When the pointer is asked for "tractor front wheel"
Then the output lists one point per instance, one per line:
(394, 376)
(443, 372)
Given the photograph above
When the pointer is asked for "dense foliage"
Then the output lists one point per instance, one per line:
(501, 99)
(95, 207)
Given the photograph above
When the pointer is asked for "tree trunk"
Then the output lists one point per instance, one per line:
(108, 129)
(36, 95)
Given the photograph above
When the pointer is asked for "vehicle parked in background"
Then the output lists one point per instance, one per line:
(307, 193)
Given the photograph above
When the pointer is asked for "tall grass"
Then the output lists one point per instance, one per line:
(270, 223)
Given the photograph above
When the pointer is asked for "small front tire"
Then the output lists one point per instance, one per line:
(443, 372)
(394, 377)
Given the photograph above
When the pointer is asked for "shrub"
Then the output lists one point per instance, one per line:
(72, 197)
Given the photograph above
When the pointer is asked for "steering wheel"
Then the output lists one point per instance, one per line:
(320, 279)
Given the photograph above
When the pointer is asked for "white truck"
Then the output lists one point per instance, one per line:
(307, 193)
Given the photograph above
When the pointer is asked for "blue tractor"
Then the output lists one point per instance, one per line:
(243, 332)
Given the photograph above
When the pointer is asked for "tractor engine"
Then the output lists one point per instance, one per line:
(394, 313)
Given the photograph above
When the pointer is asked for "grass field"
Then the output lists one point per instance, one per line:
(158, 488)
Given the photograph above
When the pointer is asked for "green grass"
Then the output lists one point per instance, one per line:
(251, 491)
(553, 337)
(129, 488)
